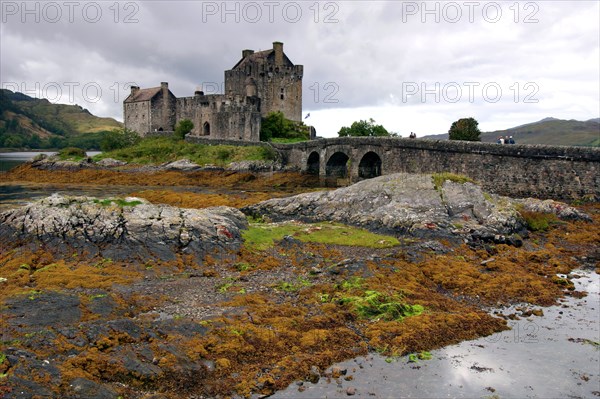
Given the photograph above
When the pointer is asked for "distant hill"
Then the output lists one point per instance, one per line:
(37, 123)
(550, 131)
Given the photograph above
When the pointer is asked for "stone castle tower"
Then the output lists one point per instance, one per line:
(260, 83)
(272, 77)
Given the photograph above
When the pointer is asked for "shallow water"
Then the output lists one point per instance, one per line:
(9, 160)
(14, 195)
(541, 357)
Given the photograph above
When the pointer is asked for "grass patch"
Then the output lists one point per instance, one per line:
(156, 150)
(440, 178)
(262, 236)
(281, 140)
(117, 201)
(72, 153)
(538, 221)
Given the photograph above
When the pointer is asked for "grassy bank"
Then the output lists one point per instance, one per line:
(156, 150)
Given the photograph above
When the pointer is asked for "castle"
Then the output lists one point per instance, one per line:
(260, 83)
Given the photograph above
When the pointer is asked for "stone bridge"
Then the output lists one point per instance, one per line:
(515, 170)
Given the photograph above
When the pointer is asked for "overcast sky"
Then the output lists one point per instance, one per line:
(410, 65)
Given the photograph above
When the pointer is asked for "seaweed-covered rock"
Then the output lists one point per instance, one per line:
(126, 229)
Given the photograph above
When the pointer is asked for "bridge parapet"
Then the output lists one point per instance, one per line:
(517, 170)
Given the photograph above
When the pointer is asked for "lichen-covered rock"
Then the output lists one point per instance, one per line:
(111, 162)
(182, 165)
(560, 209)
(402, 203)
(121, 229)
(254, 166)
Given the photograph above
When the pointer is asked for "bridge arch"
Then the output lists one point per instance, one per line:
(369, 166)
(313, 163)
(337, 165)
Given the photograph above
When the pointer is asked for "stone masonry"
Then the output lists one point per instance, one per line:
(260, 83)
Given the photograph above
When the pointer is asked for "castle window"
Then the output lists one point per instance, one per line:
(206, 129)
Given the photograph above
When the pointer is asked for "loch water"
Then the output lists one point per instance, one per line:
(552, 356)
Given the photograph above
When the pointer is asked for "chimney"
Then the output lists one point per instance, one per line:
(164, 86)
(278, 49)
(246, 53)
(134, 90)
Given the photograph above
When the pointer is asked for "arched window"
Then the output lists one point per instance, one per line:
(206, 129)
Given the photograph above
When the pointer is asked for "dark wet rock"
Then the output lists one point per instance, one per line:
(126, 326)
(101, 304)
(30, 376)
(38, 310)
(85, 389)
(133, 229)
(314, 375)
(181, 327)
(24, 388)
(141, 368)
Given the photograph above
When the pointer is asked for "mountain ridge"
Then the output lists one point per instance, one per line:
(549, 130)
(28, 122)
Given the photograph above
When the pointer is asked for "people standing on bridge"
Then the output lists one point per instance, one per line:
(511, 140)
(413, 135)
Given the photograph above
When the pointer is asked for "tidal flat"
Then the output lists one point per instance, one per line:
(249, 320)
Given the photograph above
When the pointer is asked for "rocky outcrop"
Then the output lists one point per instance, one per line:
(404, 203)
(126, 229)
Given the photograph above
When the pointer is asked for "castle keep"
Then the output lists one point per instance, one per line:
(260, 83)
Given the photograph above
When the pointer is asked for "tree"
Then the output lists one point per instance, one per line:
(119, 138)
(183, 127)
(465, 129)
(276, 125)
(364, 129)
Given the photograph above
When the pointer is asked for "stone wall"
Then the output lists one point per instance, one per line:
(221, 117)
(137, 116)
(514, 170)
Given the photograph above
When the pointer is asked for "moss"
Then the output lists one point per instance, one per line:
(262, 236)
(118, 202)
(538, 221)
(440, 178)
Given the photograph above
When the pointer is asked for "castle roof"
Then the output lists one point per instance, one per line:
(143, 95)
(260, 56)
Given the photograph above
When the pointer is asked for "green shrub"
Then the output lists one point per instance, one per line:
(72, 153)
(183, 127)
(119, 138)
